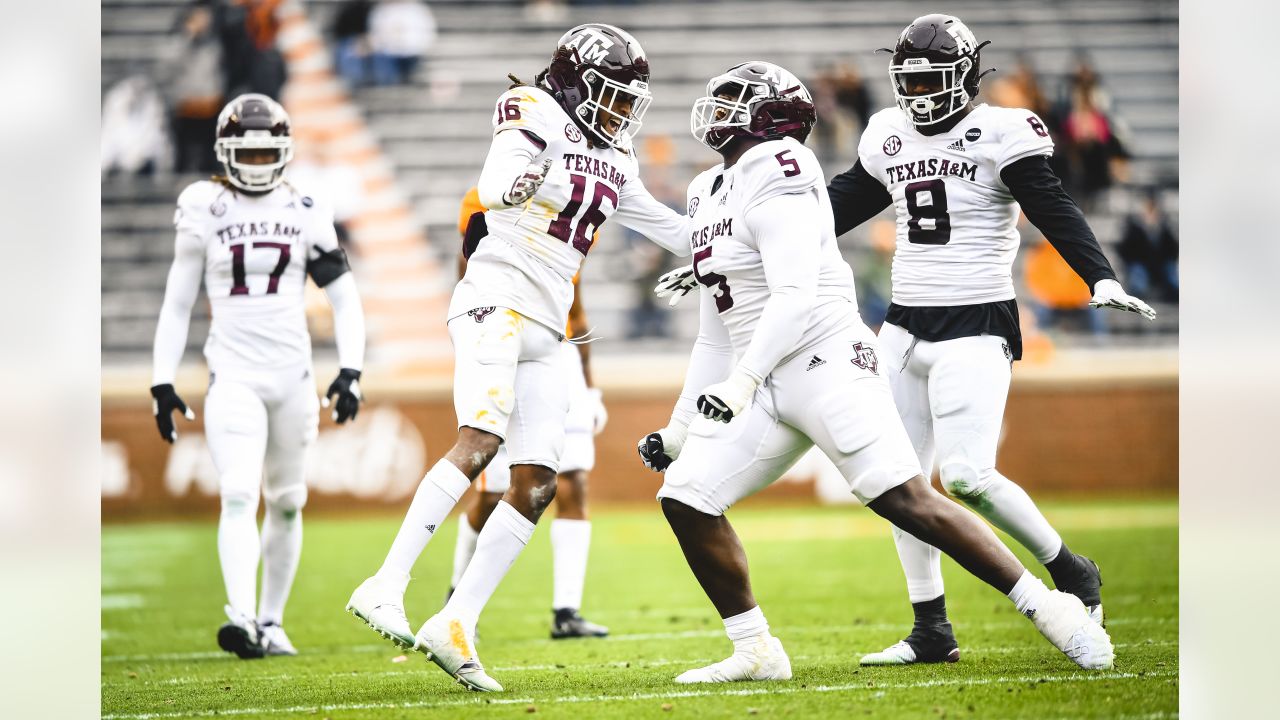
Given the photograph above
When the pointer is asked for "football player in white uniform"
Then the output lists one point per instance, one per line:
(255, 238)
(571, 530)
(956, 175)
(561, 164)
(776, 293)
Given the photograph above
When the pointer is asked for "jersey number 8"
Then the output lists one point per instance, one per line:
(929, 223)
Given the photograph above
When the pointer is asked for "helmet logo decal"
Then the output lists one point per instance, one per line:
(892, 145)
(963, 37)
(592, 46)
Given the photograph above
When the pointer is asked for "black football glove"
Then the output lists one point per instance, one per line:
(347, 387)
(659, 449)
(164, 402)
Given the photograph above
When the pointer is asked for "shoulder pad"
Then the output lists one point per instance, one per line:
(201, 200)
(778, 167)
(1021, 133)
(528, 108)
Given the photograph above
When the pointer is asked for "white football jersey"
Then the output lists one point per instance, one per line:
(256, 250)
(727, 260)
(529, 258)
(957, 221)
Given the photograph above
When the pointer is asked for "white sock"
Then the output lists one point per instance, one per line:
(1028, 593)
(281, 550)
(464, 548)
(238, 551)
(570, 541)
(1009, 508)
(921, 564)
(501, 540)
(744, 627)
(437, 494)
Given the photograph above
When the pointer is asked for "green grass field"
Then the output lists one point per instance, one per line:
(827, 578)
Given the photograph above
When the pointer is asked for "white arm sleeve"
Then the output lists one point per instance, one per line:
(641, 212)
(348, 321)
(510, 153)
(709, 362)
(787, 232)
(180, 293)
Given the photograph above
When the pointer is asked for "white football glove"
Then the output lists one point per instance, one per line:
(527, 184)
(726, 400)
(676, 284)
(1109, 294)
(599, 414)
(659, 449)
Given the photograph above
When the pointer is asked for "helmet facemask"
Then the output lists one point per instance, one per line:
(727, 105)
(932, 107)
(613, 110)
(254, 177)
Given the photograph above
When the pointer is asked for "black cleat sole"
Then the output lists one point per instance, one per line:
(235, 639)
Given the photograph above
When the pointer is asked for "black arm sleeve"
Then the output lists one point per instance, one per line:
(327, 266)
(856, 197)
(1055, 214)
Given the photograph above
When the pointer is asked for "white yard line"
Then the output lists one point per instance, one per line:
(771, 689)
(677, 635)
(418, 668)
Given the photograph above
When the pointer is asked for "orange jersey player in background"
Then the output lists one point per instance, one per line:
(571, 530)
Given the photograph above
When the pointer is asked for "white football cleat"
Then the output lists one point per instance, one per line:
(1065, 622)
(764, 659)
(446, 642)
(275, 641)
(902, 653)
(240, 635)
(379, 602)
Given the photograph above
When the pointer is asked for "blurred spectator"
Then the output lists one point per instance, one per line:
(1060, 298)
(1149, 251)
(873, 273)
(192, 78)
(400, 33)
(135, 136)
(351, 41)
(1091, 144)
(317, 171)
(251, 60)
(844, 106)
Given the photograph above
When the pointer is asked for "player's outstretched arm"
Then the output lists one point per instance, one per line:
(641, 212)
(709, 362)
(787, 231)
(856, 197)
(180, 291)
(1048, 206)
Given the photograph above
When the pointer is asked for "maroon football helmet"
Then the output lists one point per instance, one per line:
(755, 99)
(600, 76)
(253, 122)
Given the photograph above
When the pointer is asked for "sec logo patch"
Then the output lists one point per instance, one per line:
(693, 207)
(572, 133)
(892, 145)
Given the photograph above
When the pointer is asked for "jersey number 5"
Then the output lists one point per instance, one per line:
(929, 223)
(563, 228)
(238, 286)
(724, 300)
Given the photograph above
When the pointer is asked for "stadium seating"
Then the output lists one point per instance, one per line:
(436, 129)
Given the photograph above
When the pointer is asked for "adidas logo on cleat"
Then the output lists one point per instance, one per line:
(957, 145)
(814, 362)
(431, 529)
